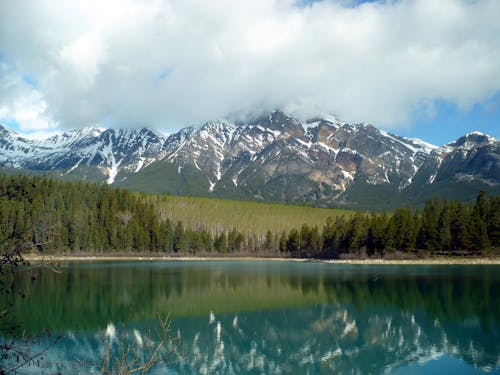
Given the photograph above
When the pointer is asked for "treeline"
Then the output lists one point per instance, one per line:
(440, 228)
(49, 216)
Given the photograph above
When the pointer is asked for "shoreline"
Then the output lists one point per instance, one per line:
(146, 258)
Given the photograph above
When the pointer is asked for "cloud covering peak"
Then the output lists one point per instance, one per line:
(169, 63)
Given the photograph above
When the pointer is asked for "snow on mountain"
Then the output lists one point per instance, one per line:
(273, 157)
(107, 150)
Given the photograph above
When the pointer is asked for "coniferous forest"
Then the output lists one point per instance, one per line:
(45, 216)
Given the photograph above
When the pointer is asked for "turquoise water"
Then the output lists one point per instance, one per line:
(264, 317)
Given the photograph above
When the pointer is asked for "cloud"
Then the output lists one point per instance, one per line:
(171, 63)
(21, 103)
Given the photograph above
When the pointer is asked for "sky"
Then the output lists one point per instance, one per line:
(420, 68)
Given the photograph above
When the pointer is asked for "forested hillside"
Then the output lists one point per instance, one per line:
(48, 216)
(250, 218)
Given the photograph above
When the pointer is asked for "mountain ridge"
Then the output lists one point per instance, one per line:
(274, 157)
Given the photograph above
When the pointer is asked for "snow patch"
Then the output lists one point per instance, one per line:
(475, 133)
(413, 144)
(308, 125)
(212, 185)
(352, 152)
(196, 165)
(73, 167)
(276, 133)
(434, 175)
(140, 163)
(325, 146)
(113, 171)
(307, 144)
(348, 175)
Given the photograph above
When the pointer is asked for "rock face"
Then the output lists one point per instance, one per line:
(90, 152)
(274, 157)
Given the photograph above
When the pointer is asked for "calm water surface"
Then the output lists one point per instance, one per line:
(264, 317)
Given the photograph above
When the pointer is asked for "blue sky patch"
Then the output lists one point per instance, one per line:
(165, 73)
(29, 79)
(451, 122)
(346, 3)
(10, 123)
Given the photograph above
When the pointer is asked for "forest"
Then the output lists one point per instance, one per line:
(44, 216)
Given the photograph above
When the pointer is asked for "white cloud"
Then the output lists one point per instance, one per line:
(20, 102)
(105, 61)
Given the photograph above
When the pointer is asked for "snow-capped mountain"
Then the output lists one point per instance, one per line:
(273, 157)
(90, 152)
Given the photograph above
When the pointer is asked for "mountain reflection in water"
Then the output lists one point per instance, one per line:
(275, 317)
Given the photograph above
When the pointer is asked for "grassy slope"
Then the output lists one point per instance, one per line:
(163, 177)
(245, 216)
(385, 197)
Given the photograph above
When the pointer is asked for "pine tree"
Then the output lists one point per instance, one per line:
(268, 243)
(329, 239)
(478, 232)
(283, 242)
(220, 244)
(459, 228)
(207, 240)
(444, 229)
(234, 240)
(179, 240)
(428, 237)
(493, 221)
(293, 242)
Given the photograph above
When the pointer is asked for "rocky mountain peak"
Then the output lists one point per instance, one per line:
(279, 121)
(4, 131)
(471, 140)
(274, 157)
(73, 137)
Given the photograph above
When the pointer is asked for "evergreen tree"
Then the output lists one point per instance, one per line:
(268, 243)
(478, 231)
(234, 240)
(310, 241)
(493, 221)
(357, 232)
(207, 241)
(179, 240)
(220, 244)
(428, 236)
(54, 216)
(293, 242)
(283, 242)
(444, 229)
(481, 205)
(459, 228)
(400, 231)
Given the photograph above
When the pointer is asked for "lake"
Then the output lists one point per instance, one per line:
(268, 317)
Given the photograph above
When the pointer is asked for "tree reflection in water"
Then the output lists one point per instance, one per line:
(277, 317)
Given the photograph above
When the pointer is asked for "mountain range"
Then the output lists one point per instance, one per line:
(275, 157)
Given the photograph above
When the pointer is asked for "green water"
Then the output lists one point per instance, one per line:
(265, 317)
